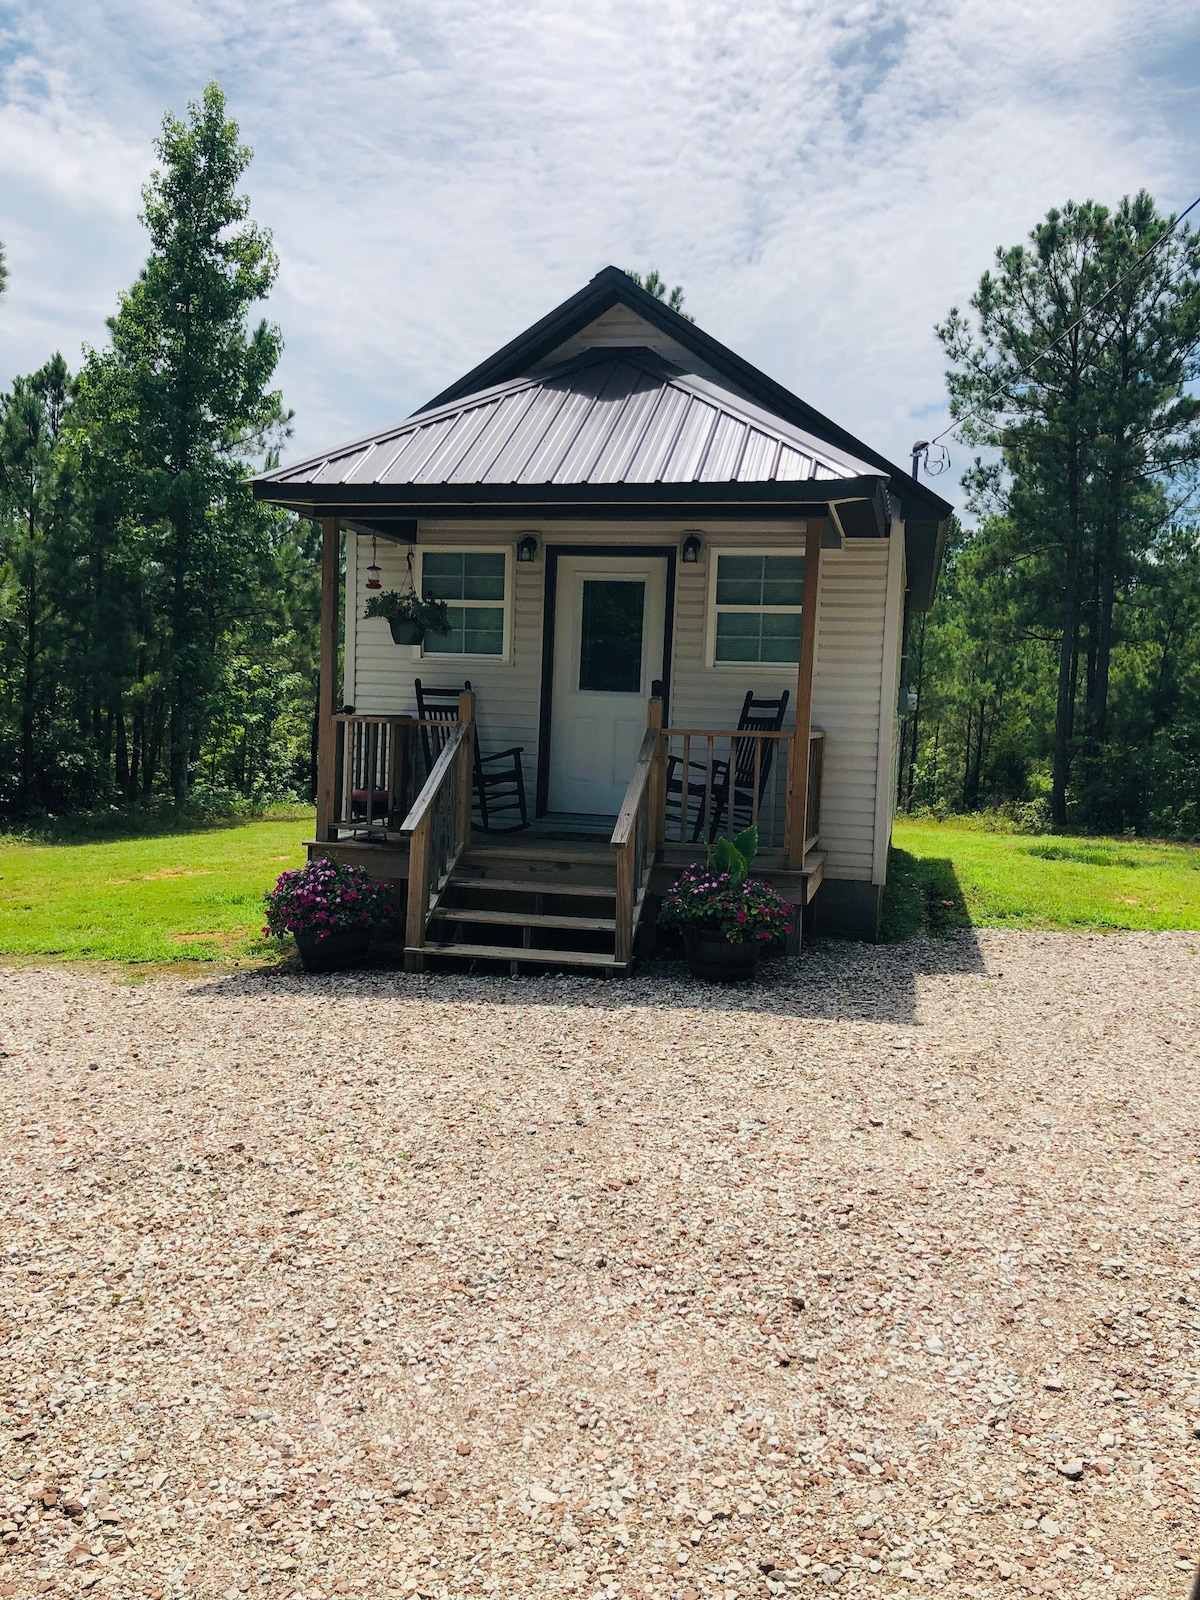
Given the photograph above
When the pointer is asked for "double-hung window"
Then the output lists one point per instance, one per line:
(755, 608)
(474, 585)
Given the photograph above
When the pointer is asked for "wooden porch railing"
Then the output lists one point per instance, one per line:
(633, 839)
(376, 768)
(722, 780)
(439, 828)
(380, 766)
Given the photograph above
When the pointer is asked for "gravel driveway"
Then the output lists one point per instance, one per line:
(881, 1278)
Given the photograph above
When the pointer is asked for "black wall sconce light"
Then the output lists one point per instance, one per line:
(691, 549)
(527, 547)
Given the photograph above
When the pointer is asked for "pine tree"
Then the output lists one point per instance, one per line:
(183, 397)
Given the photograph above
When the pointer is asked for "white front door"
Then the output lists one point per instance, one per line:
(610, 615)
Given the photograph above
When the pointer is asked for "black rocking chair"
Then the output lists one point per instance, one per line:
(499, 779)
(732, 789)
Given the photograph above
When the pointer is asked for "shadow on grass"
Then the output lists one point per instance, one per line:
(923, 895)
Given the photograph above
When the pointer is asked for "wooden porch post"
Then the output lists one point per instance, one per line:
(796, 827)
(327, 692)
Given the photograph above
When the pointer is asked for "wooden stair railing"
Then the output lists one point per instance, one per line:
(379, 763)
(439, 830)
(812, 807)
(635, 840)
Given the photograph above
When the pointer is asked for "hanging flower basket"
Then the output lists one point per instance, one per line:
(408, 616)
(405, 632)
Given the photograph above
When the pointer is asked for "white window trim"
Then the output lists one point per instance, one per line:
(509, 552)
(710, 649)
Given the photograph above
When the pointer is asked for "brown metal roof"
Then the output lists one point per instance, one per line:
(612, 416)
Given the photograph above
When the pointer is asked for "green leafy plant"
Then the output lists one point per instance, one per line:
(734, 856)
(394, 606)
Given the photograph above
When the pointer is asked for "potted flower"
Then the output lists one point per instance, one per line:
(329, 909)
(726, 917)
(409, 617)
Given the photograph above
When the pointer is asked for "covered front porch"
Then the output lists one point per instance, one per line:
(397, 795)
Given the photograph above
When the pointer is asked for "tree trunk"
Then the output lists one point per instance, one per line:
(1068, 652)
(122, 751)
(180, 729)
(916, 716)
(29, 672)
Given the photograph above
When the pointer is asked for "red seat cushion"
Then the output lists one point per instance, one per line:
(379, 798)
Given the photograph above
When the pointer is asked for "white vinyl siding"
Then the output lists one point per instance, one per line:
(847, 684)
(621, 326)
(847, 678)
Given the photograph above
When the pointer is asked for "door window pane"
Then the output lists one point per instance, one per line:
(610, 646)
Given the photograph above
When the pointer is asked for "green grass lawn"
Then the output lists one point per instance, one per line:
(945, 876)
(196, 895)
(186, 896)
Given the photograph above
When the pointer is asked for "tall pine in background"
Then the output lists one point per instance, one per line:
(1076, 370)
(184, 400)
(157, 626)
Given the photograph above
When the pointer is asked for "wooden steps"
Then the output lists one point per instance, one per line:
(521, 954)
(472, 901)
(524, 919)
(555, 886)
(504, 903)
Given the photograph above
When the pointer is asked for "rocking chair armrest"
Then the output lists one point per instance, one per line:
(503, 755)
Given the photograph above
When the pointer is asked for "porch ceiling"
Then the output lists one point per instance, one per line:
(617, 428)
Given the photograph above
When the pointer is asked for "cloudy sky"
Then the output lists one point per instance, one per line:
(824, 179)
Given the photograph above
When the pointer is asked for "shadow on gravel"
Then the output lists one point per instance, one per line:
(834, 979)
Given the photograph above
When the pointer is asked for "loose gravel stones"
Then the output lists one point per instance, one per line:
(881, 1277)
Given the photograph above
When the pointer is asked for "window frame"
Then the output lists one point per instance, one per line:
(712, 610)
(509, 552)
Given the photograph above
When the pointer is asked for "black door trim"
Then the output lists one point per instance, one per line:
(549, 608)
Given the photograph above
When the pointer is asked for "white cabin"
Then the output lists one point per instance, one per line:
(632, 530)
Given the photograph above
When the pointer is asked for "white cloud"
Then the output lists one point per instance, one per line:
(825, 180)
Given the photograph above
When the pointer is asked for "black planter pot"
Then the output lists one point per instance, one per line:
(405, 632)
(345, 947)
(712, 957)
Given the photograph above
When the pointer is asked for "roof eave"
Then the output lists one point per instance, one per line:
(800, 497)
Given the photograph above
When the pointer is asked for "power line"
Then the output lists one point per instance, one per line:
(923, 446)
